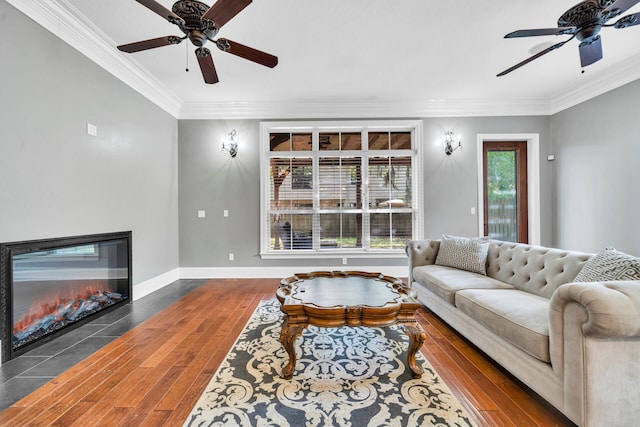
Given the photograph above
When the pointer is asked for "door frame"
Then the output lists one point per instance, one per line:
(533, 179)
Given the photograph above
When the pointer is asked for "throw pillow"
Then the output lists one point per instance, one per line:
(610, 265)
(465, 253)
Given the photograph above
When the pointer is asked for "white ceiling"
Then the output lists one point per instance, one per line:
(352, 57)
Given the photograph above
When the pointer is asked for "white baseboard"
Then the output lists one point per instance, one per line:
(275, 272)
(149, 286)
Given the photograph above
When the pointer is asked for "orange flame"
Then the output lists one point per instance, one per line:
(51, 303)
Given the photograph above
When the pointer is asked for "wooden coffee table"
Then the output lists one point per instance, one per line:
(351, 298)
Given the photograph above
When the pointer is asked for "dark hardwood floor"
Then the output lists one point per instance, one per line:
(154, 374)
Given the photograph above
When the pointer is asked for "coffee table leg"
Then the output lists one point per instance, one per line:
(288, 336)
(417, 336)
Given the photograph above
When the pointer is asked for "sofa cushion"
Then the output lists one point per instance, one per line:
(446, 281)
(519, 317)
(465, 253)
(610, 265)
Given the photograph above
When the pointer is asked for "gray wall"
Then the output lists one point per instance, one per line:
(211, 180)
(597, 172)
(56, 180)
(451, 182)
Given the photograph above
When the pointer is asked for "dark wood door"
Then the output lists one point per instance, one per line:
(505, 190)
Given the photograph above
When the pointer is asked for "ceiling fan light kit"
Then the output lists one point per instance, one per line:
(201, 23)
(584, 22)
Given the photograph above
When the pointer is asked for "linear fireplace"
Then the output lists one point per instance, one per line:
(49, 287)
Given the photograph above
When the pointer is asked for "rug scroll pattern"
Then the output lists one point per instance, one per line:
(344, 377)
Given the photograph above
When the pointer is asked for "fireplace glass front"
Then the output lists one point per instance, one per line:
(51, 286)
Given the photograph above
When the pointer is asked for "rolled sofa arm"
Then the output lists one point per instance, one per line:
(612, 308)
(594, 344)
(421, 252)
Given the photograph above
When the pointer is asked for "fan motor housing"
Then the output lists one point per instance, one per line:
(588, 12)
(197, 29)
(589, 32)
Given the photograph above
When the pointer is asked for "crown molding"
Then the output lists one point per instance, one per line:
(610, 79)
(66, 22)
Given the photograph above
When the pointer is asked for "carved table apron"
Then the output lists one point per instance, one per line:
(351, 298)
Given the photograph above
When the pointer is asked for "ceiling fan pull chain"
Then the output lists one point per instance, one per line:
(186, 57)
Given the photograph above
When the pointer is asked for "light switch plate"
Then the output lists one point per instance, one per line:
(92, 129)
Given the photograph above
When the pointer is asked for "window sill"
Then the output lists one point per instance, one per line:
(332, 254)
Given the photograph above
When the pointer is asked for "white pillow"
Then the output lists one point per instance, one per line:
(465, 253)
(610, 265)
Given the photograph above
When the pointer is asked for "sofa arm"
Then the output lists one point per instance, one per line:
(421, 252)
(612, 308)
(594, 344)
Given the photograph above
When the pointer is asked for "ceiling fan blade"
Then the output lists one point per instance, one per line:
(247, 52)
(206, 65)
(223, 10)
(590, 52)
(531, 58)
(622, 6)
(557, 31)
(161, 10)
(150, 44)
(628, 21)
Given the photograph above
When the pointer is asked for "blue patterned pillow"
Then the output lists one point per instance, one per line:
(465, 253)
(610, 265)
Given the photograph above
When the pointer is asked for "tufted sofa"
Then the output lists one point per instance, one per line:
(575, 344)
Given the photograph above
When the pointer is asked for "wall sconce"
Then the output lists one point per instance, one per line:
(232, 141)
(450, 138)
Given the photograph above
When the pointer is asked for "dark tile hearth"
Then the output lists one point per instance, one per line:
(26, 373)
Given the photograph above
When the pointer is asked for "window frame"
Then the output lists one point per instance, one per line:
(316, 128)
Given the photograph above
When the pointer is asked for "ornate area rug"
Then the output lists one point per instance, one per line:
(344, 377)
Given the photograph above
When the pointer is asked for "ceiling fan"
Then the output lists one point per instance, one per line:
(583, 21)
(200, 23)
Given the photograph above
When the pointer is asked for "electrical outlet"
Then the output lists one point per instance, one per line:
(344, 261)
(230, 257)
(202, 214)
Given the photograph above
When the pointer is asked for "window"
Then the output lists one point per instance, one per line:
(341, 187)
